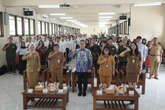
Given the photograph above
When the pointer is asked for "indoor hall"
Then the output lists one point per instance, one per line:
(82, 55)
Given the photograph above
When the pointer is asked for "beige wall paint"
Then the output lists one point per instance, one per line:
(148, 22)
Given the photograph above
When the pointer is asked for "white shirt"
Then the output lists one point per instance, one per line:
(22, 51)
(62, 46)
(46, 43)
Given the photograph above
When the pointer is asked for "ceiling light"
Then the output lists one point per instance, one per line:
(148, 4)
(106, 13)
(65, 17)
(57, 14)
(48, 6)
(78, 23)
(105, 17)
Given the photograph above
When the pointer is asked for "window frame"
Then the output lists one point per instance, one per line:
(1, 25)
(34, 30)
(14, 26)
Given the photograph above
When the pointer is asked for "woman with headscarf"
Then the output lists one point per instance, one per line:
(33, 66)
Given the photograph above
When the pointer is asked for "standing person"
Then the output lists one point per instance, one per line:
(83, 65)
(33, 66)
(29, 42)
(123, 59)
(96, 51)
(156, 52)
(149, 45)
(112, 48)
(10, 49)
(41, 49)
(134, 64)
(57, 60)
(102, 45)
(142, 49)
(21, 52)
(107, 67)
(144, 42)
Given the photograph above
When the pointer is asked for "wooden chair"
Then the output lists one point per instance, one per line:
(142, 82)
(65, 75)
(75, 79)
(25, 81)
(116, 80)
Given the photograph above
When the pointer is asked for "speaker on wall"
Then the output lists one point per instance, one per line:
(6, 18)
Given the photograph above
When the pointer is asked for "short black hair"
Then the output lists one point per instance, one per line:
(110, 38)
(138, 37)
(82, 40)
(56, 45)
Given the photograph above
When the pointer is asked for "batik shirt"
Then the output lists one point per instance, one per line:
(83, 59)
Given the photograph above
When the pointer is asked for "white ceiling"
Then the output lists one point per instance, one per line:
(85, 11)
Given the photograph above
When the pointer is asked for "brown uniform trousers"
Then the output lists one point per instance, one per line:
(106, 69)
(56, 68)
(155, 59)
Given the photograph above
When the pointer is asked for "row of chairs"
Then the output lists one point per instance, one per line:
(70, 78)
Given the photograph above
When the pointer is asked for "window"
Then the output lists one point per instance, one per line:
(12, 30)
(47, 28)
(32, 27)
(1, 25)
(50, 29)
(43, 28)
(39, 27)
(53, 29)
(26, 26)
(19, 26)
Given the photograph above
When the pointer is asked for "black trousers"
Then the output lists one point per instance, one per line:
(21, 65)
(11, 65)
(82, 81)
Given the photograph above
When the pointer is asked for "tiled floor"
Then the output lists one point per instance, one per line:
(11, 86)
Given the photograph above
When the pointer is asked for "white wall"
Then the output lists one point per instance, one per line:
(19, 11)
(148, 22)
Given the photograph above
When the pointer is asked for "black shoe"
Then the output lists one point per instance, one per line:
(84, 94)
(79, 94)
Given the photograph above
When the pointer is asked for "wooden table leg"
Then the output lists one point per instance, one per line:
(144, 84)
(73, 81)
(24, 102)
(94, 103)
(136, 104)
(64, 103)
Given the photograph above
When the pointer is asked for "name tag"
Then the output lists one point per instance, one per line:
(106, 65)
(58, 61)
(133, 61)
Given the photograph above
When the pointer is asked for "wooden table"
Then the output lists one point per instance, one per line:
(49, 100)
(116, 102)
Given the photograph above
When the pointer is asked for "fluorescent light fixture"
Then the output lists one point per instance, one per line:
(148, 4)
(78, 23)
(45, 16)
(65, 17)
(70, 20)
(106, 13)
(49, 6)
(105, 17)
(57, 14)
